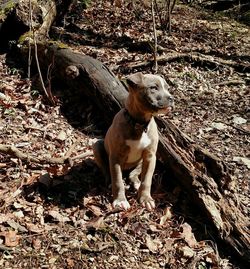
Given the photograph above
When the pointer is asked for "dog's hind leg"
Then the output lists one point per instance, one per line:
(134, 176)
(101, 158)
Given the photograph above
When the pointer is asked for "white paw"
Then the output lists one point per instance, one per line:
(123, 204)
(147, 202)
(137, 185)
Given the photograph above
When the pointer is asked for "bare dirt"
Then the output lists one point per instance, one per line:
(60, 216)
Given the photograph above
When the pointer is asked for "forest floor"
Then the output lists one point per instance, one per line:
(60, 216)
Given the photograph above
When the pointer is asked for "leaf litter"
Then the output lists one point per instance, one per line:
(57, 215)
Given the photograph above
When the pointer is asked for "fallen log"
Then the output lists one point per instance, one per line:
(201, 174)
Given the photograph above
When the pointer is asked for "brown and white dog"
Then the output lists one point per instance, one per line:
(132, 139)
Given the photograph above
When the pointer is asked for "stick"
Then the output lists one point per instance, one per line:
(15, 152)
(155, 66)
(194, 57)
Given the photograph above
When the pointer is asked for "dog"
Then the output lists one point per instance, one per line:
(132, 139)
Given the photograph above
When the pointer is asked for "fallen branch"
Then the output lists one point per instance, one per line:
(231, 83)
(15, 152)
(198, 58)
(83, 155)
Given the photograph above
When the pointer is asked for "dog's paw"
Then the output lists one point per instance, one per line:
(136, 185)
(147, 202)
(121, 203)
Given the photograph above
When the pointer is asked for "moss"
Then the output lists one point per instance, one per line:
(85, 3)
(59, 44)
(6, 8)
(23, 38)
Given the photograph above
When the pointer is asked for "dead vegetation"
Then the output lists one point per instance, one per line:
(59, 215)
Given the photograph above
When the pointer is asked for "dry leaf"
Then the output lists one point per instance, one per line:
(243, 160)
(13, 224)
(19, 214)
(167, 215)
(62, 136)
(239, 120)
(219, 125)
(188, 235)
(95, 209)
(70, 262)
(11, 238)
(4, 217)
(153, 244)
(96, 223)
(186, 252)
(34, 228)
(57, 216)
(37, 243)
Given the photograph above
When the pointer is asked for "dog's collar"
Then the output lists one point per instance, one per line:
(138, 125)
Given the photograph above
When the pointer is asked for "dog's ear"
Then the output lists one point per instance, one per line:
(135, 79)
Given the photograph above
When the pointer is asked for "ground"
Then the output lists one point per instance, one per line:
(60, 216)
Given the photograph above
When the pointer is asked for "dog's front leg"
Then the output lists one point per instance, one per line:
(118, 189)
(144, 193)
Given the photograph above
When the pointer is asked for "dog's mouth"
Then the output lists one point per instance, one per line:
(165, 110)
(162, 106)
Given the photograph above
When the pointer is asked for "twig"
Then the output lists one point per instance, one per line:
(4, 248)
(15, 152)
(173, 5)
(239, 129)
(158, 12)
(29, 44)
(194, 57)
(155, 66)
(71, 149)
(49, 96)
(83, 155)
(41, 31)
(231, 82)
(168, 14)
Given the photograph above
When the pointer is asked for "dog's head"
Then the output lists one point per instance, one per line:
(151, 91)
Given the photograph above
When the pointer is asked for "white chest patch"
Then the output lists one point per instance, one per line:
(136, 147)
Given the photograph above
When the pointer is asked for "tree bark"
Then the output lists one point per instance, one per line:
(201, 174)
